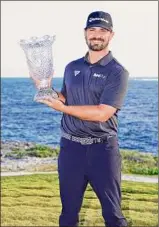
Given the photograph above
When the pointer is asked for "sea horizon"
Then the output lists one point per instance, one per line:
(24, 77)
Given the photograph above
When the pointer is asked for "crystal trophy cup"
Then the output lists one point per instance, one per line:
(38, 52)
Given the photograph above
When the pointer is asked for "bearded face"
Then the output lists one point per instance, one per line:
(97, 38)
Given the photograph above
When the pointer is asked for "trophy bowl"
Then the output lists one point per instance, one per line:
(38, 52)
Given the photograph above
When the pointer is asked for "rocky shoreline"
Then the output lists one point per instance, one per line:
(19, 156)
(9, 164)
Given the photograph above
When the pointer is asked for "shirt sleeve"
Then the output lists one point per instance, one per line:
(63, 89)
(115, 89)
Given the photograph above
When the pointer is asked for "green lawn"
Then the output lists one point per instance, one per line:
(34, 201)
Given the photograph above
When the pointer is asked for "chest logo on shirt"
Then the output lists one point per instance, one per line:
(76, 72)
(99, 75)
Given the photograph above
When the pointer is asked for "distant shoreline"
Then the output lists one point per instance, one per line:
(131, 78)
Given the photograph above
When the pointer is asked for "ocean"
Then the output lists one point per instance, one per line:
(22, 119)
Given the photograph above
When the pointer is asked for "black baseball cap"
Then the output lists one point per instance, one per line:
(99, 19)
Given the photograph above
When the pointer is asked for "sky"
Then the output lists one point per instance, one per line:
(134, 45)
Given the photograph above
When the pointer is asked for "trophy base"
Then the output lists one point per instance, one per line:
(45, 93)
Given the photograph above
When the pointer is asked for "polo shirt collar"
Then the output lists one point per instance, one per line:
(103, 61)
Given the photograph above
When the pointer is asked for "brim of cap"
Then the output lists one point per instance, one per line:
(98, 25)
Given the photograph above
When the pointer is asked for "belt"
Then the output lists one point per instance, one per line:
(86, 140)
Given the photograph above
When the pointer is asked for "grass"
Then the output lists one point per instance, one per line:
(35, 201)
(133, 162)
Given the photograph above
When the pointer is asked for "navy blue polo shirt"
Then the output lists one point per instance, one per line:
(104, 82)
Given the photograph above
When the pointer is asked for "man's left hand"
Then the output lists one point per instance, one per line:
(53, 103)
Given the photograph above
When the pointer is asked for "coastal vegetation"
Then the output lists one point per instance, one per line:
(133, 162)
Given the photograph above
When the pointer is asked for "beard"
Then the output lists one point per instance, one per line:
(96, 46)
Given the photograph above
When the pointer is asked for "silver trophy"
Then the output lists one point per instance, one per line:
(38, 53)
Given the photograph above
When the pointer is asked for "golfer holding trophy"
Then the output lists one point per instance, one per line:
(93, 92)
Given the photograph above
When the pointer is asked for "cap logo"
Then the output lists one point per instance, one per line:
(98, 18)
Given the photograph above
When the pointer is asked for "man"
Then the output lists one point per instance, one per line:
(93, 92)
